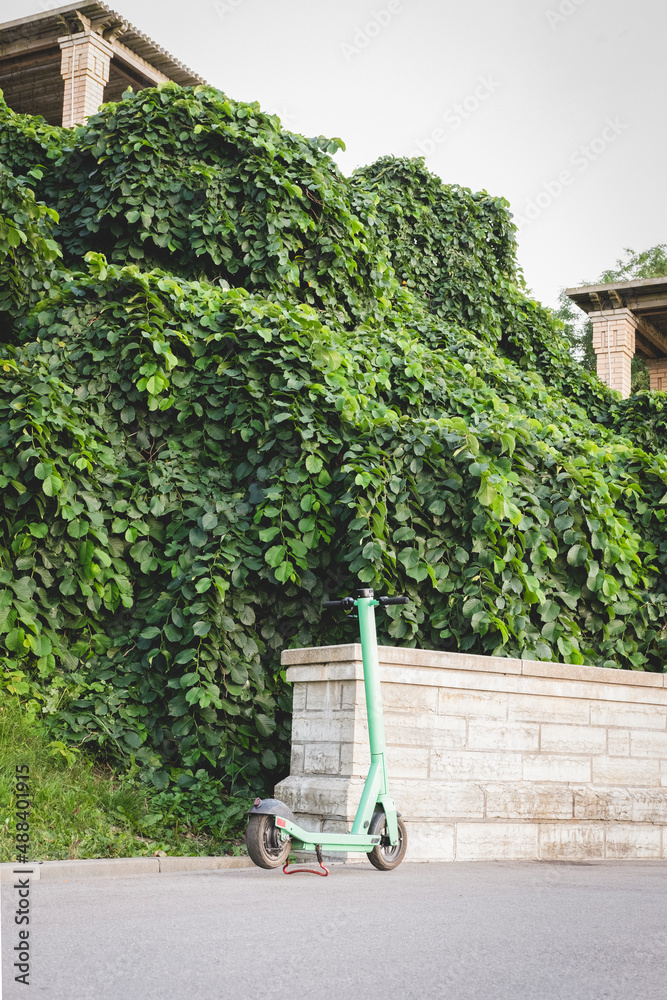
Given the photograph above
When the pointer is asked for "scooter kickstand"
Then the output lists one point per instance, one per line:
(308, 871)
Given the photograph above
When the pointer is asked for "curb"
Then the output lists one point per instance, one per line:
(58, 871)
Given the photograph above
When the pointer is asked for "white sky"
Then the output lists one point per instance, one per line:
(550, 75)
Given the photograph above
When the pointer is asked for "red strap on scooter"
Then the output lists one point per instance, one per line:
(308, 871)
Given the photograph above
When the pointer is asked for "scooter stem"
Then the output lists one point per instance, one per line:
(369, 651)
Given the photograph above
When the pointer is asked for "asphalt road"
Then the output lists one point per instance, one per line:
(476, 931)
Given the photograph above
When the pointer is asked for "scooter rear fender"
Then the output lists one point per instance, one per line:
(272, 807)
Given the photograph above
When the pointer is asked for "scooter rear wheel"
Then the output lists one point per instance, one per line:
(384, 856)
(263, 841)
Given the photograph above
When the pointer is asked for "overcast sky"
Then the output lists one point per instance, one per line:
(558, 105)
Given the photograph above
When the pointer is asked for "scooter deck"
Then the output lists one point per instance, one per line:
(305, 840)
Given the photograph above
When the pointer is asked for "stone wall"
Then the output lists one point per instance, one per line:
(488, 757)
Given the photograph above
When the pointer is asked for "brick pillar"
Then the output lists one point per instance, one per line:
(658, 369)
(614, 345)
(84, 67)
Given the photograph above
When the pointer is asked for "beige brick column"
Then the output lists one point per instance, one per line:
(84, 67)
(658, 369)
(614, 345)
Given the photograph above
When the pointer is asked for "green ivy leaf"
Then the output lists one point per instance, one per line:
(150, 633)
(52, 485)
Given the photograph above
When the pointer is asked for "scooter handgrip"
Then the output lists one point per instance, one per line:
(384, 601)
(347, 602)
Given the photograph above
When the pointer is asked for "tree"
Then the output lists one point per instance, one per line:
(578, 330)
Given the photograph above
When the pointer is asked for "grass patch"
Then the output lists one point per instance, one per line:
(83, 810)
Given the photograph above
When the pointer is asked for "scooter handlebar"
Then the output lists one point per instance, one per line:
(347, 602)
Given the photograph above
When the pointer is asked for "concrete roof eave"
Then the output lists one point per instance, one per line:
(41, 28)
(639, 290)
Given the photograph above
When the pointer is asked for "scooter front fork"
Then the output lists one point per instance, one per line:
(389, 807)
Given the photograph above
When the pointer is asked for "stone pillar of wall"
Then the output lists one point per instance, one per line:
(85, 65)
(658, 370)
(614, 345)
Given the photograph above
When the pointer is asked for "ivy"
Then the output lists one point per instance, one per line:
(27, 249)
(311, 382)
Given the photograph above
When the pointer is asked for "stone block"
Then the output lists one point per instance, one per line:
(468, 680)
(352, 694)
(573, 739)
(648, 744)
(438, 799)
(320, 795)
(313, 673)
(561, 671)
(598, 675)
(324, 696)
(310, 823)
(649, 805)
(618, 742)
(296, 759)
(407, 762)
(321, 758)
(327, 727)
(629, 716)
(633, 840)
(546, 708)
(441, 661)
(629, 694)
(409, 698)
(298, 697)
(555, 767)
(430, 841)
(632, 805)
(621, 771)
(410, 729)
(475, 765)
(493, 735)
(335, 826)
(658, 373)
(580, 841)
(496, 841)
(602, 803)
(473, 705)
(355, 758)
(349, 652)
(528, 801)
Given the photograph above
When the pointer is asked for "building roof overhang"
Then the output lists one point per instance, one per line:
(43, 29)
(646, 298)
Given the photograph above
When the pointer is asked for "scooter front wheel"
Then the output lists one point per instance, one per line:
(264, 843)
(384, 856)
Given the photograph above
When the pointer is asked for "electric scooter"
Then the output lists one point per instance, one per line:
(378, 830)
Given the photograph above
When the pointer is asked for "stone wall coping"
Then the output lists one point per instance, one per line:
(343, 662)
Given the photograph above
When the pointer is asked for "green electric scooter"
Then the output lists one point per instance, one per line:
(273, 832)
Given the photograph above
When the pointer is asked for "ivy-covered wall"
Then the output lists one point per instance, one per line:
(235, 383)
